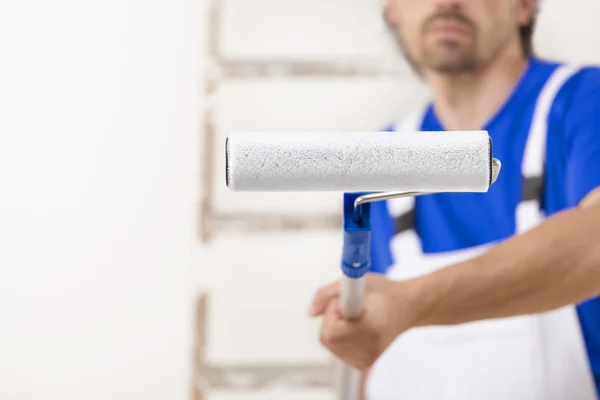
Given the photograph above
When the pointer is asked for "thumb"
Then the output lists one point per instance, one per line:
(323, 297)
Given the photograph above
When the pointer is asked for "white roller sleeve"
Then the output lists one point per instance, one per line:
(458, 161)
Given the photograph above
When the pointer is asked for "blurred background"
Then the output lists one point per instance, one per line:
(127, 269)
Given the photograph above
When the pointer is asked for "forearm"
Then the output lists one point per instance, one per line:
(555, 264)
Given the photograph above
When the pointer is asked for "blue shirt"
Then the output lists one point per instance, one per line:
(452, 221)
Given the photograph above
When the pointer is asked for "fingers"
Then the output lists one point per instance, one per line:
(325, 294)
(358, 342)
(333, 321)
(323, 297)
(334, 327)
(344, 338)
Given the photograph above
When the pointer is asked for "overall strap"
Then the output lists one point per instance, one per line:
(529, 211)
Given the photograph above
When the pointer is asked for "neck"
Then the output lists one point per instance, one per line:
(468, 101)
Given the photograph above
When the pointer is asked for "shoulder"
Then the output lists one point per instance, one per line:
(575, 116)
(580, 92)
(584, 77)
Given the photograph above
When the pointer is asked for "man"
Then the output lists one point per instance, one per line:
(491, 296)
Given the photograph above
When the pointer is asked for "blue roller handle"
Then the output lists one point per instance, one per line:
(356, 251)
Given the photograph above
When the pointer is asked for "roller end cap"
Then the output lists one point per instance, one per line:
(496, 166)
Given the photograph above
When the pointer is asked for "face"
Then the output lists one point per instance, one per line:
(457, 36)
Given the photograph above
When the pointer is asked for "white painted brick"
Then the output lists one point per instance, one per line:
(273, 394)
(308, 29)
(303, 104)
(260, 291)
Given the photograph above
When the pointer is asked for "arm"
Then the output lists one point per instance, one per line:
(555, 264)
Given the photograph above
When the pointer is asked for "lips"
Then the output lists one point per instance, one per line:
(447, 27)
(450, 23)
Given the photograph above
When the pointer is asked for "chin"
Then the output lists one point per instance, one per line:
(453, 67)
(454, 60)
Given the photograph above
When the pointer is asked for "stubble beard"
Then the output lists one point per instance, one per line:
(448, 57)
(445, 57)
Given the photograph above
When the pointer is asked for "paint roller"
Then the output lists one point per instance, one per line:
(366, 167)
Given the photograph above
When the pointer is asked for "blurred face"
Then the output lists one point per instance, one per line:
(454, 37)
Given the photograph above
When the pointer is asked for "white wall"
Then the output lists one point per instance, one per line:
(98, 174)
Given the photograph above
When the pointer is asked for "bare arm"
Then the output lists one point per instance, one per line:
(555, 264)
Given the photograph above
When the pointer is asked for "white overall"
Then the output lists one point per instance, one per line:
(533, 357)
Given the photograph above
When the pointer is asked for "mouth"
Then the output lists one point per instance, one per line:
(449, 29)
(449, 26)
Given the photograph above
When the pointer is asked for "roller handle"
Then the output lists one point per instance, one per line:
(356, 263)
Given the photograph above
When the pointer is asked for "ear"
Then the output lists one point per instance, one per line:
(389, 12)
(526, 10)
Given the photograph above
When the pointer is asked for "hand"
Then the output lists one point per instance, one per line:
(387, 312)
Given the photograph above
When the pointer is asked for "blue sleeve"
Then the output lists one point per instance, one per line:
(582, 124)
(381, 234)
